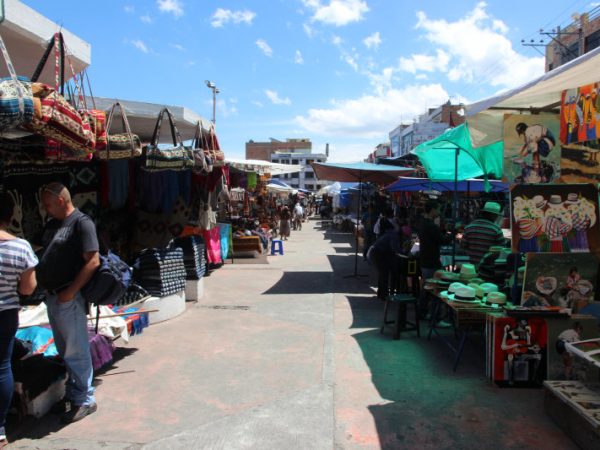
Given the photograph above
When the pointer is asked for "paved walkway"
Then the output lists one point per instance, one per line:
(287, 355)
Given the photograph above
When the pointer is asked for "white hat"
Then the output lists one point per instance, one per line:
(467, 271)
(452, 289)
(485, 288)
(496, 298)
(463, 294)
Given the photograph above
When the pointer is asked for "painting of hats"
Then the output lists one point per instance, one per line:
(531, 149)
(557, 218)
(568, 280)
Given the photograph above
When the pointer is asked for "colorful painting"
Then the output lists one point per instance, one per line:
(519, 351)
(567, 280)
(556, 218)
(531, 148)
(579, 120)
(562, 364)
(580, 163)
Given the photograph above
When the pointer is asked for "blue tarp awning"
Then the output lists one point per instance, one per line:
(409, 184)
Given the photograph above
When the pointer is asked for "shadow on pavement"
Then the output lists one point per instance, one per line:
(313, 283)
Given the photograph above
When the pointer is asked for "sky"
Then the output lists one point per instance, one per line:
(343, 72)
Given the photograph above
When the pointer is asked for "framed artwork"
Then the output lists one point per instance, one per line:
(580, 162)
(578, 114)
(531, 148)
(567, 280)
(519, 351)
(555, 218)
(562, 364)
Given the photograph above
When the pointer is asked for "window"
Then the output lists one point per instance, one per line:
(294, 161)
(295, 175)
(310, 187)
(309, 175)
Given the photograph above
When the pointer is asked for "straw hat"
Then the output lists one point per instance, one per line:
(450, 276)
(486, 288)
(496, 298)
(476, 280)
(452, 289)
(463, 294)
(467, 271)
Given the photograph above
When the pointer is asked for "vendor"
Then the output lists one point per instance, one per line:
(483, 233)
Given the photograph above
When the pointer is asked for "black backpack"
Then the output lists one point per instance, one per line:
(110, 281)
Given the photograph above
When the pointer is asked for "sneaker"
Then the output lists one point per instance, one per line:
(78, 412)
(3, 441)
(61, 406)
(443, 324)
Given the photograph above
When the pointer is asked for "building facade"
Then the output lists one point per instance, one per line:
(578, 38)
(427, 126)
(305, 179)
(264, 150)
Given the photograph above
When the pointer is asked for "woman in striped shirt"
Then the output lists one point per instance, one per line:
(17, 276)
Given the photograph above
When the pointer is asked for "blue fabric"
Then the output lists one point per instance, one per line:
(39, 338)
(9, 321)
(69, 326)
(118, 182)
(225, 229)
(407, 184)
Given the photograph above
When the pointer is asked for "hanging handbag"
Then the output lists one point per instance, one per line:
(16, 99)
(120, 145)
(177, 157)
(202, 164)
(213, 150)
(54, 117)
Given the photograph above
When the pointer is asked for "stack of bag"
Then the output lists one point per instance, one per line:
(160, 271)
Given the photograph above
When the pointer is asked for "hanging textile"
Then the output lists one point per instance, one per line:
(212, 240)
(252, 180)
(226, 238)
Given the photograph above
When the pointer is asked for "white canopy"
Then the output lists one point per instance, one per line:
(330, 189)
(262, 167)
(485, 124)
(279, 189)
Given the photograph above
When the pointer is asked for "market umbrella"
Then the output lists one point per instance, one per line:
(410, 184)
(360, 172)
(451, 156)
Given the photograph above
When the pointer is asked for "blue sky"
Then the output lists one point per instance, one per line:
(344, 72)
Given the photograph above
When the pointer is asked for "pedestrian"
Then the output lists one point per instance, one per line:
(382, 255)
(298, 216)
(431, 238)
(368, 221)
(284, 223)
(17, 267)
(385, 223)
(483, 233)
(69, 260)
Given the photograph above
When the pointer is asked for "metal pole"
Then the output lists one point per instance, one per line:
(455, 207)
(356, 231)
(214, 120)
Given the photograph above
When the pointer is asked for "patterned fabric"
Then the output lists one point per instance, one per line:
(160, 271)
(479, 236)
(120, 145)
(193, 255)
(16, 98)
(177, 157)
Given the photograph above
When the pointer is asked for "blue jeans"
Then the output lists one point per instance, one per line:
(9, 322)
(70, 329)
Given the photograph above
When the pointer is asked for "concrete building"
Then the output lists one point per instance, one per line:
(381, 151)
(576, 39)
(264, 150)
(404, 137)
(305, 179)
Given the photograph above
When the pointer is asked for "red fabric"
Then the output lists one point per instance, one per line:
(212, 240)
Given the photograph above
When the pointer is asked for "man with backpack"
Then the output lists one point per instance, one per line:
(69, 261)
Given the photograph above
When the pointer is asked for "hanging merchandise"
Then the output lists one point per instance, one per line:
(202, 162)
(16, 99)
(213, 149)
(120, 145)
(177, 157)
(54, 118)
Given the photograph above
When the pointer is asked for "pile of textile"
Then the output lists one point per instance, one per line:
(160, 271)
(194, 257)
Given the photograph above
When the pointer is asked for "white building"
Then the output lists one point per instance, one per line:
(305, 179)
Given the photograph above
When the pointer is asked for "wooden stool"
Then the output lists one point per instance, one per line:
(276, 246)
(401, 323)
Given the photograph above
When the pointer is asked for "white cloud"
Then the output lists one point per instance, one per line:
(129, 9)
(146, 19)
(257, 103)
(189, 64)
(337, 12)
(225, 109)
(351, 60)
(275, 99)
(224, 16)
(336, 40)
(372, 116)
(479, 51)
(140, 45)
(179, 47)
(373, 41)
(381, 82)
(170, 6)
(425, 63)
(266, 48)
(298, 59)
(310, 32)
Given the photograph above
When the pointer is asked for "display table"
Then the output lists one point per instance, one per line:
(246, 245)
(462, 316)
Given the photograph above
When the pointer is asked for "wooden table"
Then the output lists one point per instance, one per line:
(463, 317)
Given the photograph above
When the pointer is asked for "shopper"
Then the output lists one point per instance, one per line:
(431, 237)
(284, 223)
(70, 259)
(17, 267)
(382, 255)
(483, 233)
(298, 216)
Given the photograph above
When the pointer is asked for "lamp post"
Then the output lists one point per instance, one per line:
(215, 91)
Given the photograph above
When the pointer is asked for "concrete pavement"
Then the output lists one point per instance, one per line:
(288, 355)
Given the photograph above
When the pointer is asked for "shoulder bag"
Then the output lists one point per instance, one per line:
(120, 145)
(176, 157)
